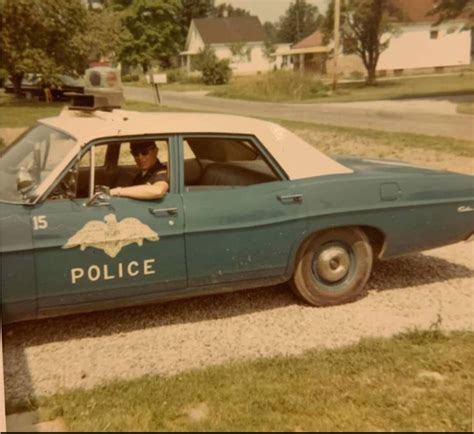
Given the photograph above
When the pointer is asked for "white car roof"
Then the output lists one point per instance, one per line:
(295, 156)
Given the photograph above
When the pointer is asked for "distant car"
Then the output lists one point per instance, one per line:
(29, 82)
(250, 204)
(33, 85)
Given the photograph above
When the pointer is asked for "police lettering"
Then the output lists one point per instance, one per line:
(109, 272)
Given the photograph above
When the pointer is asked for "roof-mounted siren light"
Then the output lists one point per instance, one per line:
(102, 90)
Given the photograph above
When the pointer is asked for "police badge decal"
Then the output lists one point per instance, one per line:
(112, 235)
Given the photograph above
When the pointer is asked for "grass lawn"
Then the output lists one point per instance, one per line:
(268, 87)
(178, 87)
(21, 113)
(418, 381)
(16, 113)
(466, 108)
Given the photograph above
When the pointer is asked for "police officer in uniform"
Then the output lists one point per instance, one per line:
(151, 182)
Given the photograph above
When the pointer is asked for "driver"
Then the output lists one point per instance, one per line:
(151, 182)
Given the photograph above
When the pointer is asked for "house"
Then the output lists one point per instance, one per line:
(416, 45)
(239, 39)
(309, 54)
(419, 45)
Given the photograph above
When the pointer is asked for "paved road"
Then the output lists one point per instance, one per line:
(434, 117)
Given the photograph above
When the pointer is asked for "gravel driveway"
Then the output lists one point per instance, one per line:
(85, 350)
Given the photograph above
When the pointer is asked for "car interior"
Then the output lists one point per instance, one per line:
(223, 162)
(209, 163)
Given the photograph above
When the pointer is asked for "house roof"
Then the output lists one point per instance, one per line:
(313, 40)
(229, 30)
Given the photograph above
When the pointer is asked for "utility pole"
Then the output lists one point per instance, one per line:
(337, 22)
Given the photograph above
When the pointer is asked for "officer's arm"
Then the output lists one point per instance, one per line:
(144, 192)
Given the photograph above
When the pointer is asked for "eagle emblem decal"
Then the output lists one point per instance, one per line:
(112, 235)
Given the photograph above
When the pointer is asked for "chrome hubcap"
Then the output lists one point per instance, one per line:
(333, 263)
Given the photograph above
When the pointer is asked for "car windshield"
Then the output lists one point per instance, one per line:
(26, 163)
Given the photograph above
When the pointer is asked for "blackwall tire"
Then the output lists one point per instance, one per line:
(332, 267)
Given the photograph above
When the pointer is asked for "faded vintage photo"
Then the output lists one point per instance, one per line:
(236, 215)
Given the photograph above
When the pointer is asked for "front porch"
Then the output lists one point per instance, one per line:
(312, 59)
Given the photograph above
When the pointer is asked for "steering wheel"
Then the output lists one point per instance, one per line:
(66, 189)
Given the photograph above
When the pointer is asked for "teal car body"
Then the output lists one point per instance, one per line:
(236, 223)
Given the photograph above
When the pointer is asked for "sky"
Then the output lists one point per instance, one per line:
(270, 10)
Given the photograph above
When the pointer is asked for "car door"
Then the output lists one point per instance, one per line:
(109, 249)
(236, 233)
(17, 276)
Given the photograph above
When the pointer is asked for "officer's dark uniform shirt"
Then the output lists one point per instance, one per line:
(155, 174)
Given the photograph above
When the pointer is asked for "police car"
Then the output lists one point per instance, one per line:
(249, 204)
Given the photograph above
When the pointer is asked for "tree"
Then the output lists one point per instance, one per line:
(154, 32)
(228, 10)
(43, 36)
(271, 32)
(105, 34)
(365, 25)
(300, 20)
(190, 9)
(451, 9)
(271, 38)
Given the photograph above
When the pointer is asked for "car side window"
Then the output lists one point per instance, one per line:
(127, 168)
(106, 164)
(75, 184)
(224, 162)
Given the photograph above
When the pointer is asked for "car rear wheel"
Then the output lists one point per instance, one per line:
(333, 267)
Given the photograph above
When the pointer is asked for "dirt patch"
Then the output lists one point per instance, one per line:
(198, 413)
(29, 422)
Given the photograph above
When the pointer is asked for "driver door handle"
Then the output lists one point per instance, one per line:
(163, 212)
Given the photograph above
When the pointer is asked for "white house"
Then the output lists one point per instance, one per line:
(416, 45)
(240, 39)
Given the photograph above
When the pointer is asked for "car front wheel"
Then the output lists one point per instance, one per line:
(333, 267)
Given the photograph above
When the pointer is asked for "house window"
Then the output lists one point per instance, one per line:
(434, 34)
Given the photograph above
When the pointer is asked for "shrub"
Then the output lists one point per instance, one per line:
(276, 86)
(217, 73)
(176, 75)
(356, 75)
(213, 71)
(204, 58)
(3, 76)
(130, 77)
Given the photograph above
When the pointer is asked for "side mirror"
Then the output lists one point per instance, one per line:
(101, 197)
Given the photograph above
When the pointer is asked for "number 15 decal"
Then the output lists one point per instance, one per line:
(40, 222)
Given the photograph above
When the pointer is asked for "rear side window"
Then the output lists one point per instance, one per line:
(223, 162)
